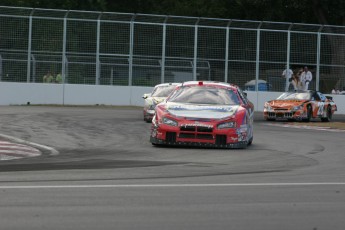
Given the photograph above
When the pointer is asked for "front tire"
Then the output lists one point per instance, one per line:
(329, 115)
(250, 141)
(309, 114)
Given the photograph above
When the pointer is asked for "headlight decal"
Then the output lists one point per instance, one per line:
(296, 108)
(168, 121)
(268, 108)
(227, 125)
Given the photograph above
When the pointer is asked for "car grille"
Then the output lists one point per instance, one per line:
(187, 128)
(280, 114)
(191, 128)
(196, 136)
(196, 132)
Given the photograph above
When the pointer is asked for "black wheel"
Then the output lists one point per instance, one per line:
(148, 120)
(329, 115)
(250, 141)
(309, 114)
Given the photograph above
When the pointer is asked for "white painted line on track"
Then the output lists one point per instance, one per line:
(21, 141)
(171, 185)
(319, 128)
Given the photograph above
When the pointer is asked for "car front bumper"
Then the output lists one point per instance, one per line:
(203, 137)
(287, 114)
(237, 145)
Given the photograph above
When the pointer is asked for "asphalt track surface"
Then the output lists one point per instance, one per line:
(106, 175)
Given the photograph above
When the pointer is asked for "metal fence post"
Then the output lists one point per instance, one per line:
(257, 63)
(33, 68)
(0, 68)
(64, 45)
(227, 40)
(131, 44)
(28, 70)
(288, 48)
(163, 50)
(97, 49)
(195, 49)
(318, 53)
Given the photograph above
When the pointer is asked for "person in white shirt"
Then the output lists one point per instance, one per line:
(342, 92)
(335, 91)
(306, 78)
(287, 74)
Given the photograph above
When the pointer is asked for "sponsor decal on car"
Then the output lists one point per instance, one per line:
(196, 124)
(224, 109)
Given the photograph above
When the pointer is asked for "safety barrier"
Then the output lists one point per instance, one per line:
(75, 94)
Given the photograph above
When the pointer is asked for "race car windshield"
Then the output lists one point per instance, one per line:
(163, 91)
(294, 96)
(205, 95)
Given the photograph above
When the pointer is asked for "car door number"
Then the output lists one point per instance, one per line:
(321, 106)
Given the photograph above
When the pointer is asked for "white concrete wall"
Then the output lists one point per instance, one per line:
(68, 94)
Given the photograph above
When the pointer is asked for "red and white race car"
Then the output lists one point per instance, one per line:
(204, 113)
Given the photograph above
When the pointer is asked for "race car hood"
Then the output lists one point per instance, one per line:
(158, 100)
(201, 111)
(285, 103)
(155, 100)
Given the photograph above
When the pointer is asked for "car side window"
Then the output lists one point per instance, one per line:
(321, 96)
(242, 96)
(316, 96)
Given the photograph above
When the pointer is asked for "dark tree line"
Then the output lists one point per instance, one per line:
(298, 11)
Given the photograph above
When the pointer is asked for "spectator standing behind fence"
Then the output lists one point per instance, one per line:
(342, 92)
(58, 78)
(296, 80)
(287, 74)
(335, 91)
(306, 78)
(48, 78)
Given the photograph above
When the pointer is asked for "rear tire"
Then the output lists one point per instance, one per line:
(148, 120)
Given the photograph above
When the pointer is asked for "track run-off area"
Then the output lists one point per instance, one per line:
(94, 168)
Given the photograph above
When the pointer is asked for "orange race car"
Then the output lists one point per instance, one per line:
(303, 105)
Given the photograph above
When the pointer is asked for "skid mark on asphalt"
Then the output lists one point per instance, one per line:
(11, 151)
(319, 128)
